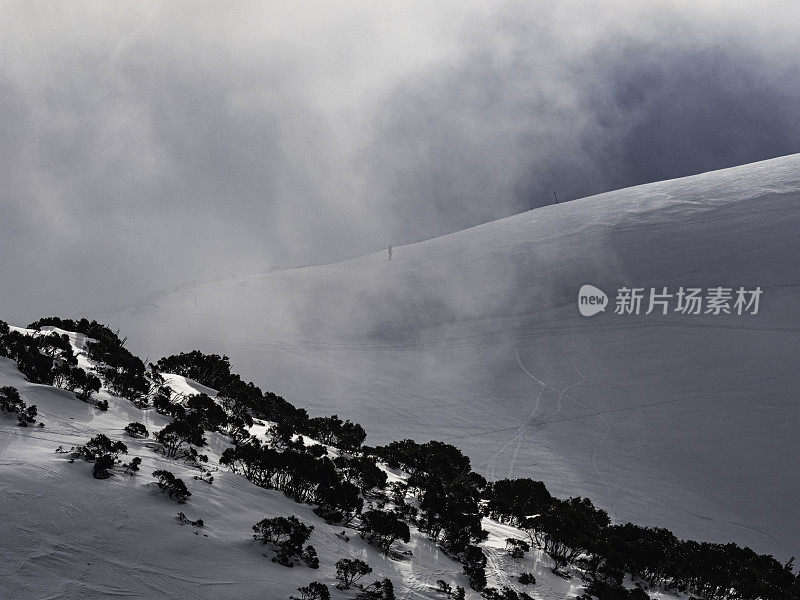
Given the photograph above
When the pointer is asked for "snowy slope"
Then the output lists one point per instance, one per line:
(64, 534)
(474, 338)
(67, 535)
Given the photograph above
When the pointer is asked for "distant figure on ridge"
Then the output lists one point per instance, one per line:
(390, 252)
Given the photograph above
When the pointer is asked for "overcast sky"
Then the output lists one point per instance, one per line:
(144, 144)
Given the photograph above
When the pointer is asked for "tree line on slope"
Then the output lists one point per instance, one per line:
(450, 498)
(48, 359)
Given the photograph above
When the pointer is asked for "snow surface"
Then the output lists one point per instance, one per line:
(475, 338)
(65, 535)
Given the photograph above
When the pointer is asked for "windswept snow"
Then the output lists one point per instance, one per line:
(688, 422)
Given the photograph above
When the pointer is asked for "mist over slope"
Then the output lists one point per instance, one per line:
(683, 421)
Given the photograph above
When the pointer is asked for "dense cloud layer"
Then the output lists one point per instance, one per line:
(158, 143)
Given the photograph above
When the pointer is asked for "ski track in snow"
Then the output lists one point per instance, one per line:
(616, 489)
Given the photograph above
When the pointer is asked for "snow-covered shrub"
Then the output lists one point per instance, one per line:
(516, 548)
(242, 400)
(172, 486)
(211, 370)
(442, 587)
(11, 402)
(616, 591)
(309, 556)
(448, 489)
(136, 429)
(91, 329)
(383, 528)
(475, 567)
(567, 529)
(506, 593)
(526, 578)
(57, 346)
(123, 373)
(208, 414)
(102, 466)
(205, 477)
(283, 436)
(128, 381)
(177, 437)
(26, 350)
(362, 471)
(380, 590)
(286, 535)
(282, 531)
(335, 432)
(350, 570)
(299, 475)
(76, 380)
(339, 501)
(313, 591)
(162, 401)
(100, 445)
(183, 519)
(512, 500)
(103, 452)
(132, 467)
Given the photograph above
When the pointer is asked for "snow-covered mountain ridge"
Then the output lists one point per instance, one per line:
(683, 421)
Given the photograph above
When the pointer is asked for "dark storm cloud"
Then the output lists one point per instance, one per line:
(158, 142)
(688, 110)
(539, 112)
